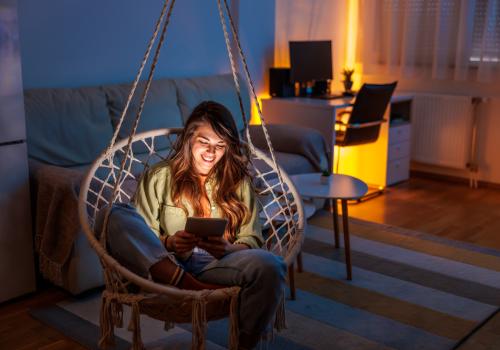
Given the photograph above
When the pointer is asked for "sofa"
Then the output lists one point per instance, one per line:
(67, 128)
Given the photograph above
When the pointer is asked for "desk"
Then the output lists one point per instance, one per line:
(381, 163)
(339, 187)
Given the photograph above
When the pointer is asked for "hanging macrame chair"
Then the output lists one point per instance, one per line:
(112, 178)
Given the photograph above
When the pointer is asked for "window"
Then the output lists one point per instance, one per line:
(437, 39)
(486, 32)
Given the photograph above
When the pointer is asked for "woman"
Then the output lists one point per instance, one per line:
(206, 176)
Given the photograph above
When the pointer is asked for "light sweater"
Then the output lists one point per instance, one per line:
(154, 202)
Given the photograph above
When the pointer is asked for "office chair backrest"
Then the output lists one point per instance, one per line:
(370, 105)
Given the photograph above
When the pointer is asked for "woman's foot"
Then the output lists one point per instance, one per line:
(166, 272)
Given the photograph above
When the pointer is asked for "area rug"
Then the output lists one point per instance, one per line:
(409, 290)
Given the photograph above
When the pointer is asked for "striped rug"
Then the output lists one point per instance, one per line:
(409, 291)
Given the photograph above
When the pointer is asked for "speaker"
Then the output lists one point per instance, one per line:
(279, 82)
(320, 88)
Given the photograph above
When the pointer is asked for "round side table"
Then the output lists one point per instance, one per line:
(338, 187)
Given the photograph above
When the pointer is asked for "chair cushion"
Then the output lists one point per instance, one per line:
(218, 88)
(160, 109)
(66, 127)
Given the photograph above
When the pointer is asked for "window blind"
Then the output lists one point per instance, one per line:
(486, 31)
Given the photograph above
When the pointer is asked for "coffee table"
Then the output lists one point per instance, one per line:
(338, 187)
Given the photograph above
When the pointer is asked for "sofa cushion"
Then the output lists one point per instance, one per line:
(218, 88)
(160, 110)
(66, 127)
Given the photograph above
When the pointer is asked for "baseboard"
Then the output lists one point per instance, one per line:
(450, 178)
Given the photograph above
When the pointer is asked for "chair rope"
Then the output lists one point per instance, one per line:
(251, 85)
(141, 105)
(138, 76)
(284, 236)
(283, 212)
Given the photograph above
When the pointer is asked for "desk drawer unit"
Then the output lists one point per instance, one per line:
(398, 165)
(399, 133)
(399, 150)
(398, 170)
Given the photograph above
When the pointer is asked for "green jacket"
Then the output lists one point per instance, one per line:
(154, 202)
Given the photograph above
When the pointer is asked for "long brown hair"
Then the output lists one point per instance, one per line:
(229, 173)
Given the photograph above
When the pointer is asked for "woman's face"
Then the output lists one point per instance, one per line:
(207, 148)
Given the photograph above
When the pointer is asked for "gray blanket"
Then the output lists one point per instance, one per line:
(294, 139)
(57, 222)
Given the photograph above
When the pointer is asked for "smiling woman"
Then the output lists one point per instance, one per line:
(208, 149)
(206, 176)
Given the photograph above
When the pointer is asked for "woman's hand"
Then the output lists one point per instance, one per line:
(217, 246)
(181, 242)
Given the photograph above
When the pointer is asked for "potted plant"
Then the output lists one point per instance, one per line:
(347, 73)
(325, 174)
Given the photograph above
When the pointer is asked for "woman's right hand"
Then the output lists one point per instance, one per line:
(182, 242)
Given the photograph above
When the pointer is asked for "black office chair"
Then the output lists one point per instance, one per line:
(362, 124)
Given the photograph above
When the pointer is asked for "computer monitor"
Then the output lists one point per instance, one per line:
(310, 61)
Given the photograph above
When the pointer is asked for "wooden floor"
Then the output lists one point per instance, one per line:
(441, 208)
(18, 330)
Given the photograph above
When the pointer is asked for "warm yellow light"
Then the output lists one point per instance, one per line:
(349, 160)
(340, 127)
(351, 41)
(352, 33)
(366, 162)
(255, 118)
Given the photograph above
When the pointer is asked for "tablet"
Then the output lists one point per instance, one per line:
(205, 227)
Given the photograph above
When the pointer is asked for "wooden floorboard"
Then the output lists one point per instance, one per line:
(440, 208)
(437, 207)
(485, 338)
(19, 331)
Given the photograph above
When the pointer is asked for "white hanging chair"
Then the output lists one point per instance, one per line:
(113, 178)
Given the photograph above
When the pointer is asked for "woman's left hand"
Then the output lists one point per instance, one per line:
(217, 246)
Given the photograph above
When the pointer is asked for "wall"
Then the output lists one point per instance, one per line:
(489, 122)
(257, 33)
(326, 19)
(312, 20)
(66, 43)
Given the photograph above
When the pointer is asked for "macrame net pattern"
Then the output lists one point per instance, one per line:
(113, 178)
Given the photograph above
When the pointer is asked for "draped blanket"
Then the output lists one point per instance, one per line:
(294, 139)
(57, 222)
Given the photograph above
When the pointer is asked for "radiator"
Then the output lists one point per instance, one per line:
(442, 128)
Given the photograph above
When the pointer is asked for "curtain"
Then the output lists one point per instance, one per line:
(430, 39)
(308, 20)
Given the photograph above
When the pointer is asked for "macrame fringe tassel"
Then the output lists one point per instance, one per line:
(280, 319)
(135, 326)
(199, 323)
(233, 323)
(117, 314)
(106, 322)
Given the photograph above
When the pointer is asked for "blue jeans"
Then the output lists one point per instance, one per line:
(260, 274)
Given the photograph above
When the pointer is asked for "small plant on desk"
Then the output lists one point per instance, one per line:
(325, 174)
(347, 73)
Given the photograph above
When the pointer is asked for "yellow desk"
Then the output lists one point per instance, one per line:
(381, 163)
